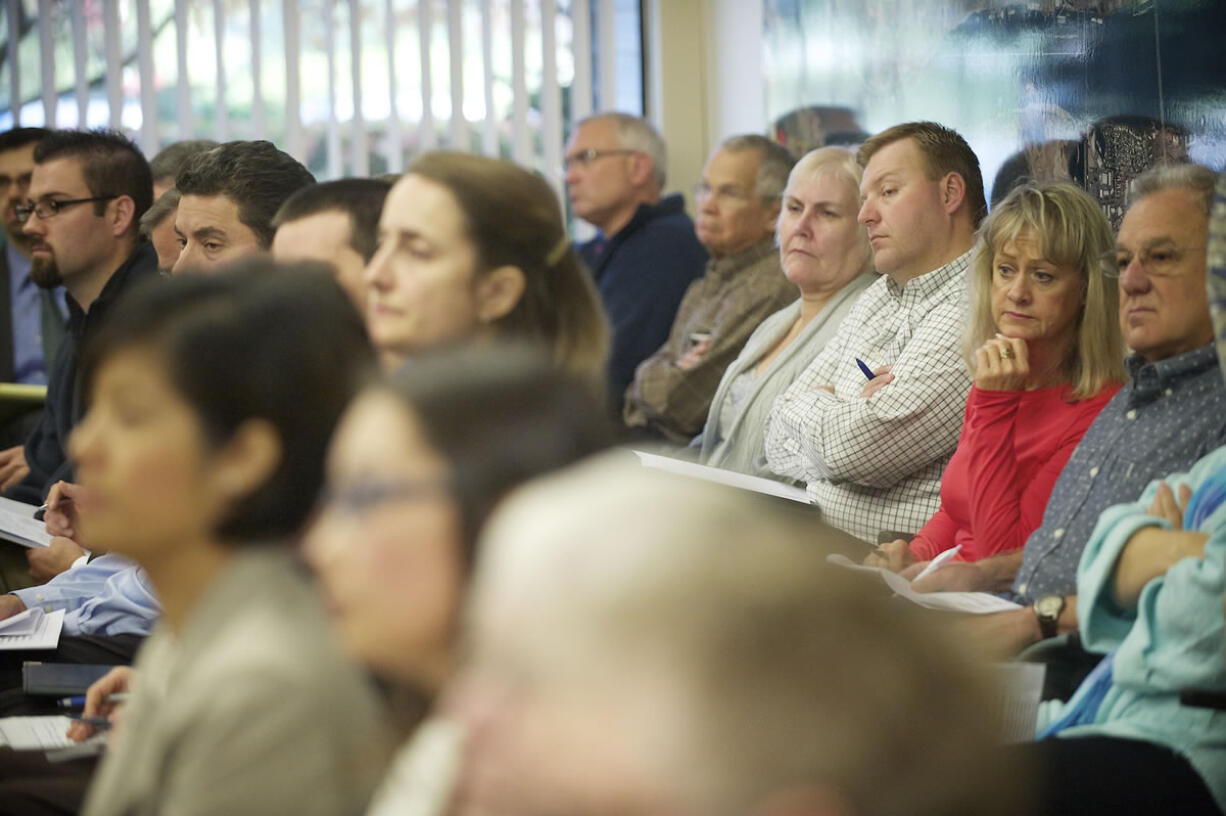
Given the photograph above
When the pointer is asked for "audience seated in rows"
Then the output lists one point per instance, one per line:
(872, 453)
(1170, 414)
(417, 465)
(825, 255)
(228, 197)
(473, 248)
(738, 205)
(241, 702)
(629, 653)
(1044, 346)
(336, 223)
(646, 253)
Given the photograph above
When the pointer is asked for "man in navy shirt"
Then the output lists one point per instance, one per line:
(646, 254)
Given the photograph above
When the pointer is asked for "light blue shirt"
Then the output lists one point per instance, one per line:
(29, 365)
(106, 596)
(1171, 641)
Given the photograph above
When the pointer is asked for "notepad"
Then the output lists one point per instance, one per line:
(17, 524)
(976, 603)
(25, 623)
(729, 478)
(35, 733)
(46, 634)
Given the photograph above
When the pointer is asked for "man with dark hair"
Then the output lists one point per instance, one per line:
(738, 202)
(87, 193)
(32, 322)
(229, 196)
(336, 222)
(872, 453)
(166, 165)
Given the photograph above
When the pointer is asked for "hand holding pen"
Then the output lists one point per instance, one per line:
(101, 701)
(877, 378)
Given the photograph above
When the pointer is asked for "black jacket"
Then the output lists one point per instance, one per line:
(46, 449)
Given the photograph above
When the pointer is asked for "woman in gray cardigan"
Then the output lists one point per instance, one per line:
(825, 252)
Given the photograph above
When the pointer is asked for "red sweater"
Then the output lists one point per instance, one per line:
(1013, 446)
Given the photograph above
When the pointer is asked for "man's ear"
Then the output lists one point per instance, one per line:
(249, 459)
(122, 214)
(498, 292)
(770, 215)
(953, 192)
(640, 168)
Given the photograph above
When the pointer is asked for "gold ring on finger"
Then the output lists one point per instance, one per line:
(1006, 353)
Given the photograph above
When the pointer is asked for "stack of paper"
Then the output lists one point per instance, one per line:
(35, 733)
(977, 603)
(729, 478)
(44, 633)
(17, 524)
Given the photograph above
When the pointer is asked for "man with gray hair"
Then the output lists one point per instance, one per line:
(738, 203)
(646, 253)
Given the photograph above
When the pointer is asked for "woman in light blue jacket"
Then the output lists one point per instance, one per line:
(825, 252)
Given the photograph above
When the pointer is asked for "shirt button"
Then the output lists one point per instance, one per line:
(1093, 472)
(38, 596)
(1021, 590)
(1058, 534)
(1168, 392)
(1131, 414)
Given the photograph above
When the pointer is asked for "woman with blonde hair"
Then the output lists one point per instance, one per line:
(825, 252)
(474, 248)
(1044, 346)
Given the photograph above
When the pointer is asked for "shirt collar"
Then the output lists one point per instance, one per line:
(733, 264)
(1151, 380)
(930, 282)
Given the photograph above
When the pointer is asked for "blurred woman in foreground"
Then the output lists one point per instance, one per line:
(212, 400)
(417, 465)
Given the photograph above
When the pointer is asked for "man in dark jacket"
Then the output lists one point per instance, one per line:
(87, 193)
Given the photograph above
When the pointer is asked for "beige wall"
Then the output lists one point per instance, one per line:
(703, 62)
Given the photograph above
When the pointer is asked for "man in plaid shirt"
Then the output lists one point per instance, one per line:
(873, 450)
(738, 204)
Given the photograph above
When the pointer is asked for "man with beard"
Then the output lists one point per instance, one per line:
(32, 321)
(87, 193)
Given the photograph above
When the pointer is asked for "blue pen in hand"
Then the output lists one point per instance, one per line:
(868, 372)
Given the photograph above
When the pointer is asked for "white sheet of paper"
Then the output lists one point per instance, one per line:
(1021, 686)
(25, 623)
(976, 603)
(729, 478)
(35, 733)
(46, 636)
(17, 524)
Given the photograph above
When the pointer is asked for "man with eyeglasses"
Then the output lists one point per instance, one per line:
(87, 193)
(646, 253)
(32, 320)
(1171, 413)
(738, 205)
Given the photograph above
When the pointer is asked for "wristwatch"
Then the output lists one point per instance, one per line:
(1047, 609)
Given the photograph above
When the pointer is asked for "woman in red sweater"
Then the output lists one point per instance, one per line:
(1045, 350)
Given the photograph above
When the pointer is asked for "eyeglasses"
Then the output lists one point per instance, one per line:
(1161, 260)
(727, 193)
(583, 158)
(365, 496)
(51, 207)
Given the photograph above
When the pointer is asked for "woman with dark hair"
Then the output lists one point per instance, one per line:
(476, 248)
(416, 467)
(212, 400)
